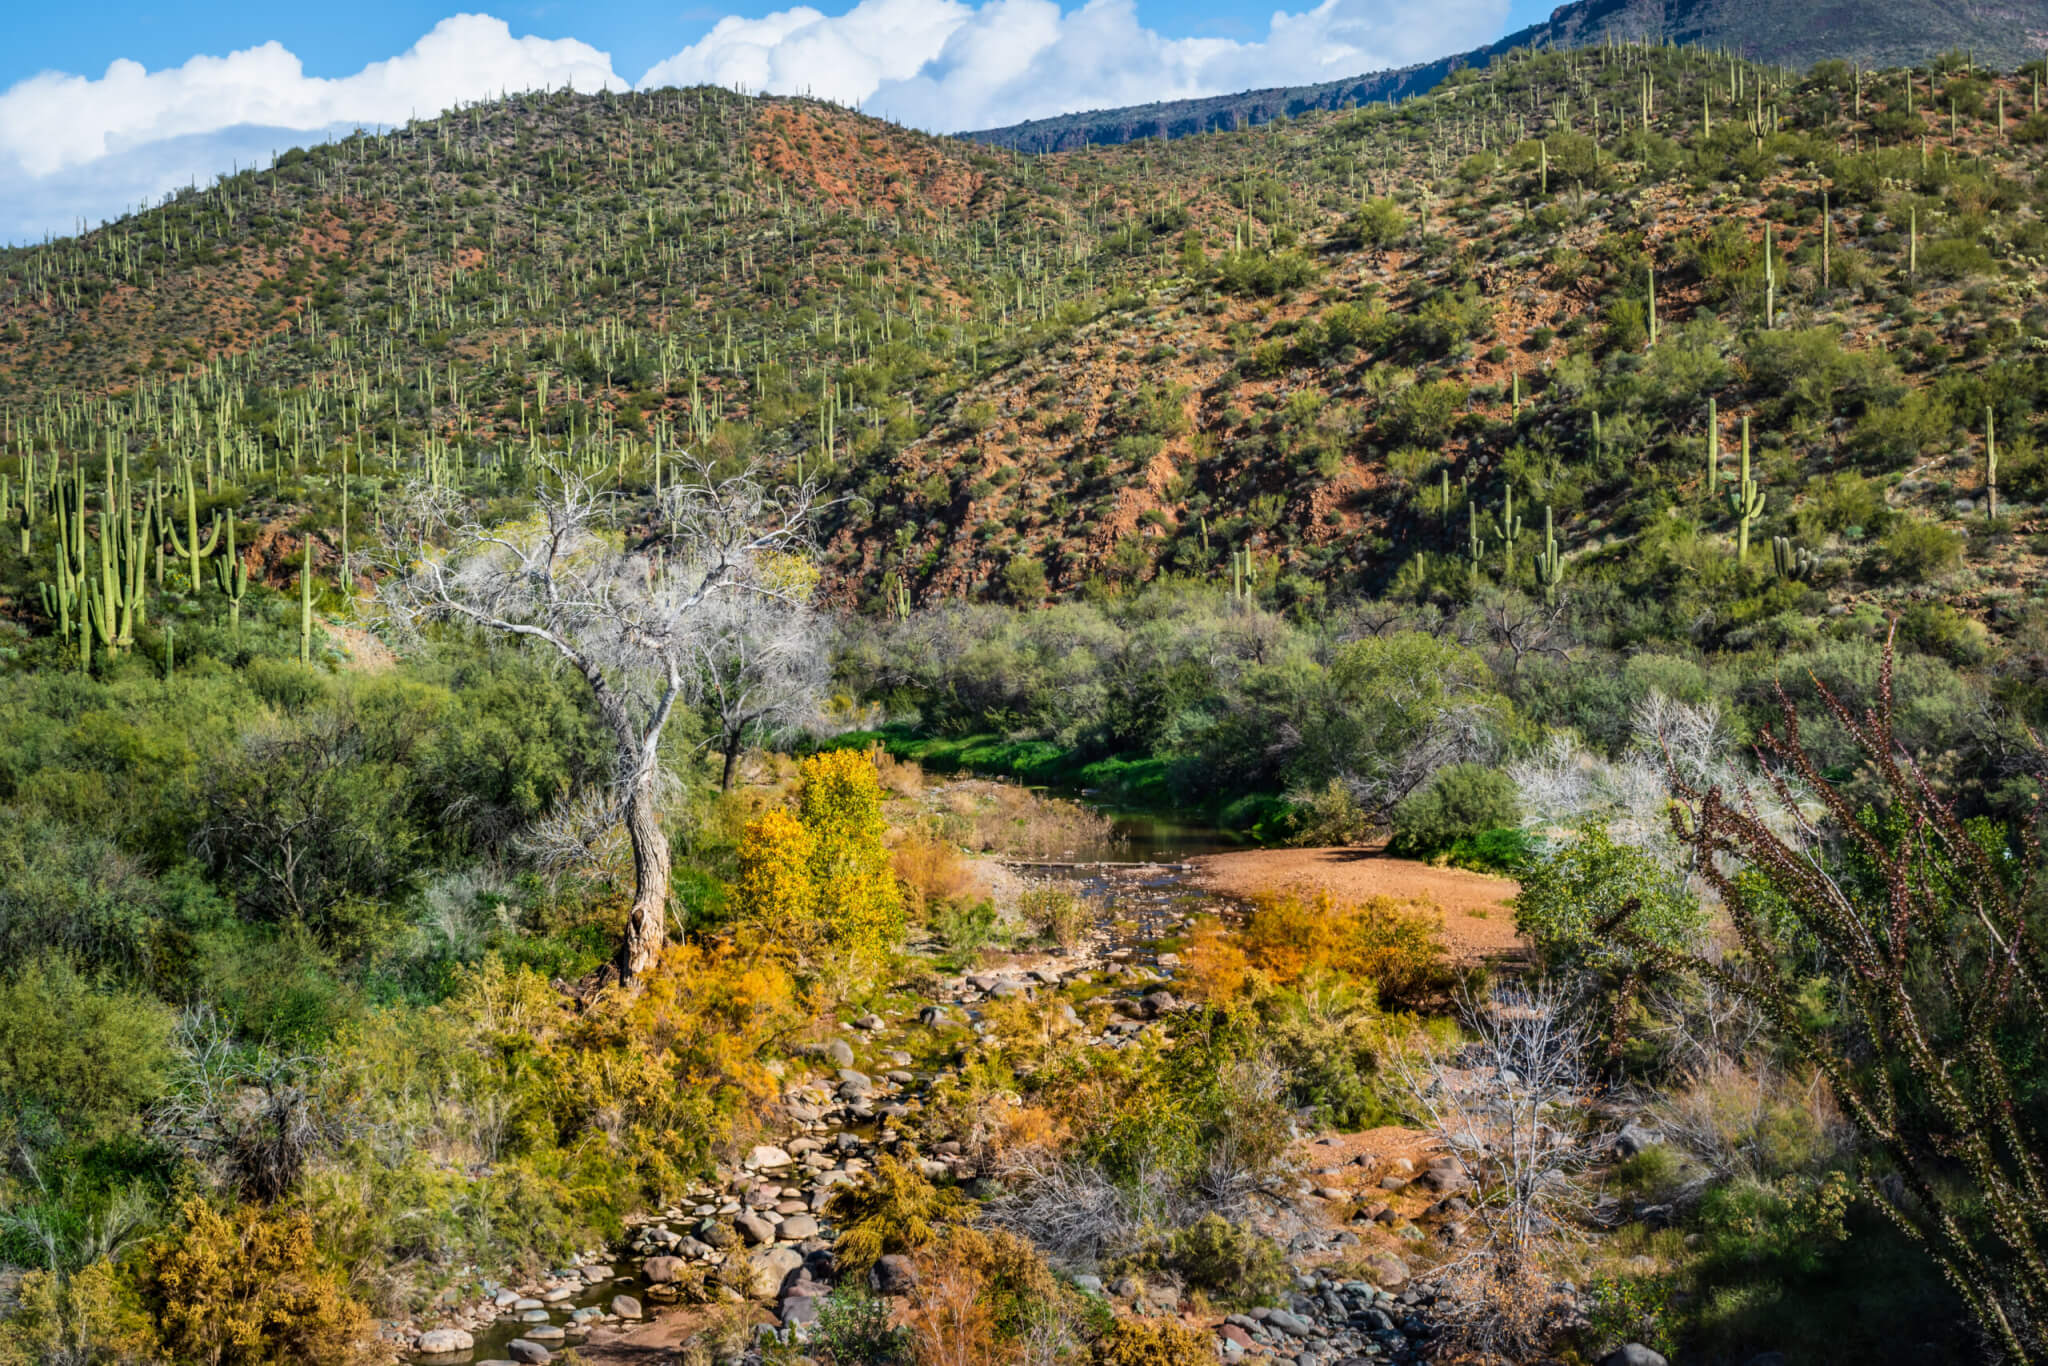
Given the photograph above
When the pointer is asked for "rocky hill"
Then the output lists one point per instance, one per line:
(1327, 352)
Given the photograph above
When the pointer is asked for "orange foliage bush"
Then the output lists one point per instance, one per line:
(931, 871)
(1287, 938)
(245, 1290)
(663, 1073)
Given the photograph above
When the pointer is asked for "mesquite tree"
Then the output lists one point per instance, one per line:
(1924, 923)
(626, 606)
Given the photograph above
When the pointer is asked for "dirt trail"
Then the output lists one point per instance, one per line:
(1478, 921)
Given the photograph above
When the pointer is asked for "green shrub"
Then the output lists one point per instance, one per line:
(1915, 551)
(1785, 1227)
(1632, 1309)
(87, 1058)
(1226, 1261)
(1589, 879)
(1134, 1342)
(1460, 803)
(1505, 850)
(853, 1329)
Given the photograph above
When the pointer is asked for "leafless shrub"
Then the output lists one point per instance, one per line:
(1074, 1211)
(1514, 1118)
(249, 1116)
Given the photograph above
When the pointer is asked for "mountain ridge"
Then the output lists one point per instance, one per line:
(1865, 32)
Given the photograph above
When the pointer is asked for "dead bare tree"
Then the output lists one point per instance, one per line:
(758, 668)
(626, 617)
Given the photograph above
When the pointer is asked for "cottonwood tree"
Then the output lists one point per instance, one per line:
(628, 608)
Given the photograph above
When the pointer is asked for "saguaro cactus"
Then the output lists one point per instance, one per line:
(1549, 563)
(1990, 465)
(190, 547)
(1792, 561)
(1510, 527)
(306, 604)
(1745, 500)
(231, 576)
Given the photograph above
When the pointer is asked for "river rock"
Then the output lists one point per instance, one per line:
(754, 1229)
(769, 1267)
(840, 1052)
(714, 1233)
(767, 1156)
(626, 1307)
(796, 1228)
(441, 1341)
(528, 1353)
(663, 1270)
(597, 1275)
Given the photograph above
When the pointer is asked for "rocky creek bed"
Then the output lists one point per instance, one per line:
(760, 1230)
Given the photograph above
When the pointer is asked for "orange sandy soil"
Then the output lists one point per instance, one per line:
(1478, 921)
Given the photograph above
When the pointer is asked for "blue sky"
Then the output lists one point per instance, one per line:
(194, 89)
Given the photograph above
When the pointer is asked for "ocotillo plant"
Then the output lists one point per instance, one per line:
(1745, 500)
(1550, 562)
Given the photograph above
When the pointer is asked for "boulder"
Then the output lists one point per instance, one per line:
(1387, 1271)
(1158, 1003)
(797, 1227)
(840, 1052)
(1635, 1138)
(443, 1341)
(663, 1270)
(767, 1156)
(716, 1234)
(1290, 1323)
(1633, 1354)
(597, 1275)
(626, 1307)
(769, 1267)
(754, 1229)
(895, 1275)
(528, 1353)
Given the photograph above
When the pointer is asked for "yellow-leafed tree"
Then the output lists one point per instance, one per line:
(840, 802)
(821, 878)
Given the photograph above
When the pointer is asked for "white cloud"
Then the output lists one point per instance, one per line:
(948, 66)
(75, 147)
